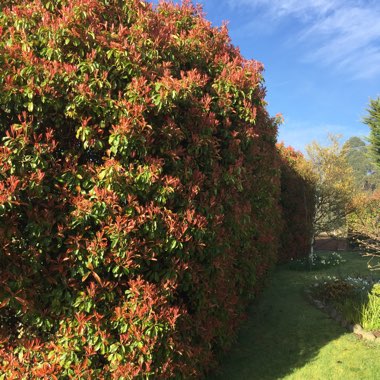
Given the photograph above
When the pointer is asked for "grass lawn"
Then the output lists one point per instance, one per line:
(284, 337)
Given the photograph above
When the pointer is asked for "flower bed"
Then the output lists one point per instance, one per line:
(353, 301)
(316, 261)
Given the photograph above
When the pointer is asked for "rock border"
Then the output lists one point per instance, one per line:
(335, 315)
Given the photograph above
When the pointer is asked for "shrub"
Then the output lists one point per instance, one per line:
(333, 290)
(139, 189)
(364, 226)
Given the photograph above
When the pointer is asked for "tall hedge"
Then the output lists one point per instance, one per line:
(297, 204)
(139, 189)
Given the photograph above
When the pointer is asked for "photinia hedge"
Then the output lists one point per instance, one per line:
(297, 203)
(139, 188)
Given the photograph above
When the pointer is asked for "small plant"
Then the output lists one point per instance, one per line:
(370, 312)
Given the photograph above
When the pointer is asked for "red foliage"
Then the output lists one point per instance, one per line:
(139, 189)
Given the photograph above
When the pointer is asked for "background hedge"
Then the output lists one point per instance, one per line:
(139, 189)
(297, 204)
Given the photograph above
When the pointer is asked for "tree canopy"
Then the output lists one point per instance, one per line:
(373, 122)
(334, 186)
(366, 174)
(364, 223)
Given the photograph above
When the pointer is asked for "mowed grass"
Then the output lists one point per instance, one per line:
(284, 337)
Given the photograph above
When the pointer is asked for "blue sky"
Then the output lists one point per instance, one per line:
(321, 58)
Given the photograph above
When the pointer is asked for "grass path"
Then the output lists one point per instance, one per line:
(285, 337)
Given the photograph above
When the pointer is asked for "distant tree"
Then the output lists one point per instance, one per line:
(373, 122)
(364, 223)
(334, 187)
(366, 173)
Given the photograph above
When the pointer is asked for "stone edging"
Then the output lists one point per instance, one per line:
(334, 314)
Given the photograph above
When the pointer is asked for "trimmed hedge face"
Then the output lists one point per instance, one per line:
(139, 189)
(297, 203)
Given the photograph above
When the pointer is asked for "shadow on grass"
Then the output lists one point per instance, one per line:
(282, 333)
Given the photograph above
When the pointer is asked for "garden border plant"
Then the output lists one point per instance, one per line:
(316, 261)
(342, 300)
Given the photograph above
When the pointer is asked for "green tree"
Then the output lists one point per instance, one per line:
(365, 222)
(365, 172)
(334, 187)
(373, 122)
